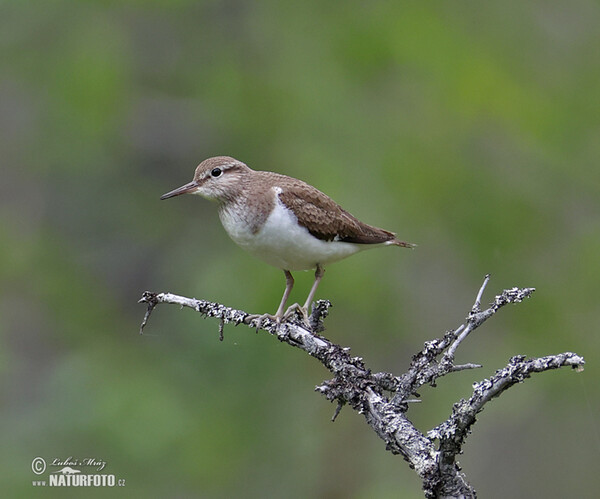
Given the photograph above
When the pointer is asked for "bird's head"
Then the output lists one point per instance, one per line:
(218, 179)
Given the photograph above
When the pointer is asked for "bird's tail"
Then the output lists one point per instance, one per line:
(402, 244)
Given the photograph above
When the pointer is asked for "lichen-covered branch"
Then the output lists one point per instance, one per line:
(384, 398)
(452, 432)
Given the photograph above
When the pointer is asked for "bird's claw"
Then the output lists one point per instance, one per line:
(295, 310)
(292, 311)
(259, 319)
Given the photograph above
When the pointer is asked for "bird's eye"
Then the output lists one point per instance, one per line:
(216, 172)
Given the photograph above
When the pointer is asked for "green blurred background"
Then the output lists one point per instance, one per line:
(470, 128)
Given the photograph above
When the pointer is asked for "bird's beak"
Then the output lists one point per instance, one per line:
(184, 189)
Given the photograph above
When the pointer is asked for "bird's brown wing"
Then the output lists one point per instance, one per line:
(327, 220)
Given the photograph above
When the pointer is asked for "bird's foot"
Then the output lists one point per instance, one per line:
(259, 319)
(297, 311)
(294, 311)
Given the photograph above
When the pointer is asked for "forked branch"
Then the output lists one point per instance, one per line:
(384, 398)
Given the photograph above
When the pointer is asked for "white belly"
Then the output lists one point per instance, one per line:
(283, 243)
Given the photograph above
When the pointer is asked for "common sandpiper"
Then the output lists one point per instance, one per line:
(284, 221)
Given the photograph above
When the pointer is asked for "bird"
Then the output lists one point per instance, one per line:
(283, 221)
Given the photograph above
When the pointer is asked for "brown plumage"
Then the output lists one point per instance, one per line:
(327, 220)
(282, 220)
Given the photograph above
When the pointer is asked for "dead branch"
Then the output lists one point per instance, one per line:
(384, 398)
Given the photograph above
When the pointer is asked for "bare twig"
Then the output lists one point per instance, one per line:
(452, 432)
(383, 398)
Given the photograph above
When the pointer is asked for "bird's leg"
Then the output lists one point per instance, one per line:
(304, 310)
(318, 276)
(289, 284)
(279, 315)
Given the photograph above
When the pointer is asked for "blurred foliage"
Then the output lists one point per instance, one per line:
(470, 128)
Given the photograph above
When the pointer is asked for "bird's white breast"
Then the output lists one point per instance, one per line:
(281, 241)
